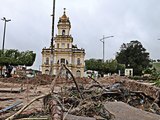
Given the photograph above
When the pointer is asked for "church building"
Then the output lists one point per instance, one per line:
(64, 52)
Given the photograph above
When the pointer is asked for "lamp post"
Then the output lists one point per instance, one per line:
(103, 41)
(52, 38)
(5, 21)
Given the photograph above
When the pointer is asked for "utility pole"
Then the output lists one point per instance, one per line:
(103, 41)
(4, 33)
(52, 38)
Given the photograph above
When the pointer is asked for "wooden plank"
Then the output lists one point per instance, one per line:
(11, 90)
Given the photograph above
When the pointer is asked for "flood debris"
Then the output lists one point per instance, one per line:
(86, 101)
(74, 101)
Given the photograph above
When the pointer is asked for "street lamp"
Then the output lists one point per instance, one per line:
(103, 41)
(5, 21)
(52, 38)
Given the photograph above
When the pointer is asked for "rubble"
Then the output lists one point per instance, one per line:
(85, 98)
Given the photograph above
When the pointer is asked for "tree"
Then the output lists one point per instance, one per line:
(134, 55)
(13, 57)
(26, 58)
(110, 66)
(94, 64)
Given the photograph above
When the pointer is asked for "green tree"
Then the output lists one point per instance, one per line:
(110, 66)
(134, 55)
(26, 58)
(13, 57)
(94, 64)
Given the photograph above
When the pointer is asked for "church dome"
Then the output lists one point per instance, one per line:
(64, 18)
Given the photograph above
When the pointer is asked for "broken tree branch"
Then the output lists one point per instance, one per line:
(94, 80)
(74, 80)
(24, 107)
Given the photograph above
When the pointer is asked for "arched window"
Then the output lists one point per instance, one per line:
(63, 32)
(47, 72)
(78, 61)
(78, 73)
(57, 45)
(47, 61)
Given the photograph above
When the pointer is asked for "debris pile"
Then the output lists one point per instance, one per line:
(76, 98)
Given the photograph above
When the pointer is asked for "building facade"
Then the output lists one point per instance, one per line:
(64, 52)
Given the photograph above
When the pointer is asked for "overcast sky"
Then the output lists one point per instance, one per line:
(126, 20)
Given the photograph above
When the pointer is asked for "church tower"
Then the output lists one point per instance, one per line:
(64, 25)
(63, 39)
(64, 51)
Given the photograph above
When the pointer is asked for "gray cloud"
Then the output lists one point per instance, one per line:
(30, 28)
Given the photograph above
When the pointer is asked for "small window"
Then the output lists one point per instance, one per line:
(78, 61)
(47, 61)
(63, 32)
(57, 45)
(67, 45)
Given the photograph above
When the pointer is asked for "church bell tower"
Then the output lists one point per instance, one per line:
(64, 25)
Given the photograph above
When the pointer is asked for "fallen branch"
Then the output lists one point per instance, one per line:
(95, 81)
(74, 81)
(56, 112)
(24, 107)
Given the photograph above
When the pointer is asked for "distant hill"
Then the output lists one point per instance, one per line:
(157, 66)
